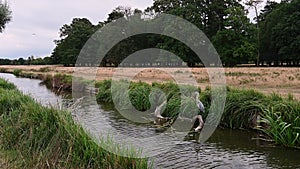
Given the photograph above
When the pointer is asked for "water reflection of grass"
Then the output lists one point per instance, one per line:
(33, 136)
(277, 117)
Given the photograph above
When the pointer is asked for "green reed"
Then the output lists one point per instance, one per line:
(273, 115)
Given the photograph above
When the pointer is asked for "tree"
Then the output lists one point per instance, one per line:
(254, 4)
(121, 11)
(21, 61)
(130, 45)
(207, 15)
(5, 62)
(5, 15)
(236, 43)
(213, 18)
(73, 37)
(269, 7)
(265, 48)
(280, 32)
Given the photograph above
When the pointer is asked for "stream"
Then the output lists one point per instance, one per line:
(225, 148)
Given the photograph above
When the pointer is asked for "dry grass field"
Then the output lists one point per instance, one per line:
(283, 81)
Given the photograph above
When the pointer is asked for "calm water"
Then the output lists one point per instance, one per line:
(35, 89)
(225, 149)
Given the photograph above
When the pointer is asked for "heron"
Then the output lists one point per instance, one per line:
(198, 119)
(199, 103)
(158, 110)
(159, 118)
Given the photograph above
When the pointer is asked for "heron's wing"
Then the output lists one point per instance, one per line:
(158, 110)
(200, 106)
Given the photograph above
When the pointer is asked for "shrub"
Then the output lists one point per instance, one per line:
(17, 72)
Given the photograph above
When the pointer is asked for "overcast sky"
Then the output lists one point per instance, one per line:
(35, 23)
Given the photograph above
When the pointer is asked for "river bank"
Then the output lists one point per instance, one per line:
(277, 117)
(33, 136)
(230, 148)
(283, 81)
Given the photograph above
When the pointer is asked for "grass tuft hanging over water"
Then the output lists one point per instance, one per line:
(282, 121)
(33, 136)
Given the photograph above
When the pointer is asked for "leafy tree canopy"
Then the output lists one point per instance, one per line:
(5, 14)
(280, 32)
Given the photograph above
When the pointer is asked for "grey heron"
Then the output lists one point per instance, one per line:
(198, 118)
(158, 110)
(159, 119)
(199, 103)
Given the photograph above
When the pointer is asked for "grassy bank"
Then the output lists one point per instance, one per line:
(277, 117)
(53, 80)
(141, 96)
(273, 115)
(32, 136)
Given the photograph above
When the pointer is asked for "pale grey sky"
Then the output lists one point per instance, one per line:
(35, 23)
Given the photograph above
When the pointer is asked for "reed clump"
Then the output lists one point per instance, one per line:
(17, 72)
(273, 115)
(58, 81)
(282, 121)
(33, 136)
(277, 117)
(143, 95)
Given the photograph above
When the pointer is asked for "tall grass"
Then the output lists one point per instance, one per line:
(282, 119)
(104, 94)
(140, 95)
(17, 72)
(6, 85)
(273, 115)
(57, 81)
(242, 108)
(42, 137)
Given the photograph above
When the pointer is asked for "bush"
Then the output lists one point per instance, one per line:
(17, 72)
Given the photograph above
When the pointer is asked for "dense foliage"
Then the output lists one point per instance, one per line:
(280, 33)
(5, 15)
(224, 22)
(29, 61)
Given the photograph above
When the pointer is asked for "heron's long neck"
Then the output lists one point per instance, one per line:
(197, 97)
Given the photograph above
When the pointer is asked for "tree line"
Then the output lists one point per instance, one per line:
(29, 61)
(273, 39)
